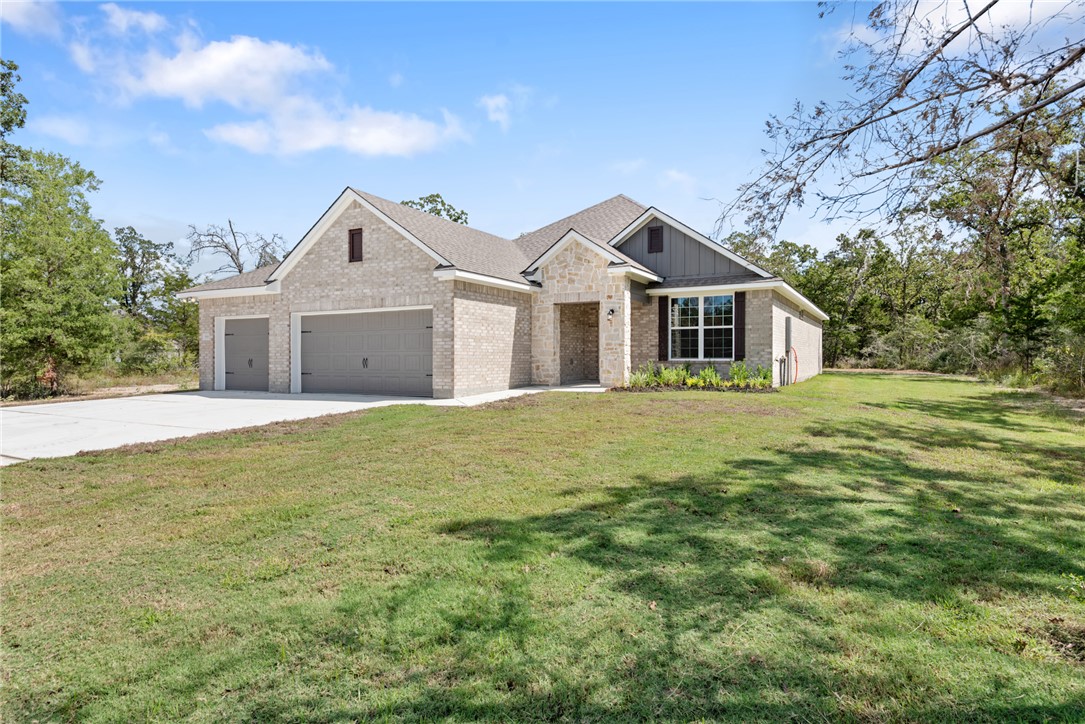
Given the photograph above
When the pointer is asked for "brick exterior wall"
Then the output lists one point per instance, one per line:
(579, 341)
(492, 339)
(394, 273)
(805, 338)
(644, 325)
(579, 274)
(759, 324)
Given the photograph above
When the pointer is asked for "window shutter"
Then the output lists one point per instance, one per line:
(354, 244)
(740, 325)
(664, 328)
(655, 240)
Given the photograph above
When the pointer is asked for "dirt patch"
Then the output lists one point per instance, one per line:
(1066, 637)
(105, 393)
(513, 403)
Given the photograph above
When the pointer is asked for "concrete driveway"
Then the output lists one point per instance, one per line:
(57, 429)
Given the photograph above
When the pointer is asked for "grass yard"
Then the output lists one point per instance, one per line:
(858, 547)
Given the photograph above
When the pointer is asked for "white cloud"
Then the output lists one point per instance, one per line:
(683, 181)
(270, 84)
(629, 167)
(244, 72)
(306, 125)
(32, 18)
(927, 20)
(500, 107)
(83, 56)
(68, 129)
(497, 109)
(395, 80)
(120, 20)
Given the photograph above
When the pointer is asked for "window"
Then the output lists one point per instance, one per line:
(354, 244)
(703, 327)
(685, 332)
(655, 240)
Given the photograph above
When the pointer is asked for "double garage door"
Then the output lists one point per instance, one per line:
(369, 353)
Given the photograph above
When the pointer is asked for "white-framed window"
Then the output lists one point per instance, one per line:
(702, 328)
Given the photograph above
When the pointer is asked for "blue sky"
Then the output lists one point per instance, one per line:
(518, 113)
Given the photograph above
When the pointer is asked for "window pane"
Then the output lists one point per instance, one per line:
(719, 311)
(684, 344)
(719, 343)
(684, 311)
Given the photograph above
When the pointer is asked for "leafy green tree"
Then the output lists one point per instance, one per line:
(12, 116)
(59, 272)
(436, 205)
(160, 330)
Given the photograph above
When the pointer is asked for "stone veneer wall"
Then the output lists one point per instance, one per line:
(579, 341)
(492, 339)
(805, 338)
(579, 274)
(394, 273)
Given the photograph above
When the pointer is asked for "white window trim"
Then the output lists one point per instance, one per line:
(220, 345)
(295, 334)
(700, 329)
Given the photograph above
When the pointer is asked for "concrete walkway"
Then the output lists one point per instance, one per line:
(65, 428)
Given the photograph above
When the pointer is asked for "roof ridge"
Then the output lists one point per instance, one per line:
(410, 210)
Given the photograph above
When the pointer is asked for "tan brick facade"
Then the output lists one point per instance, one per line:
(492, 339)
(578, 338)
(805, 339)
(394, 273)
(487, 338)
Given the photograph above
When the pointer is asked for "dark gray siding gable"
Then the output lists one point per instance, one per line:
(682, 256)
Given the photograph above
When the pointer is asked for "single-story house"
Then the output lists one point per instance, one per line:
(380, 298)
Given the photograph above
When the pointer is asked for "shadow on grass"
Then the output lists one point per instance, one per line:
(707, 553)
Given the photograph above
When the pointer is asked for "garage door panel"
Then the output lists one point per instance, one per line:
(388, 353)
(246, 354)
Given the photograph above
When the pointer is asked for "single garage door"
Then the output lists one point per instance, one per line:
(246, 354)
(369, 353)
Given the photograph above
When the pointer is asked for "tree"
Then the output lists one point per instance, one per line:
(434, 204)
(929, 80)
(12, 116)
(151, 274)
(59, 272)
(238, 247)
(143, 264)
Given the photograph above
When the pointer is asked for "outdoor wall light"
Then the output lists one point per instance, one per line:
(610, 314)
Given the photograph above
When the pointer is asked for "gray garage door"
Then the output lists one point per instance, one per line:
(246, 354)
(372, 353)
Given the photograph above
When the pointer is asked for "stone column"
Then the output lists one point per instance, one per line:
(615, 333)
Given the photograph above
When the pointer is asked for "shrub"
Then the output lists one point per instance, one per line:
(709, 377)
(673, 376)
(740, 373)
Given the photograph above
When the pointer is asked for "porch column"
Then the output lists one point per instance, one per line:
(615, 332)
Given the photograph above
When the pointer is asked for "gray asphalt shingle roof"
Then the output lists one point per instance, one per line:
(254, 278)
(466, 248)
(476, 251)
(600, 223)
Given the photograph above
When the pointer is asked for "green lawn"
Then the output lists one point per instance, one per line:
(857, 547)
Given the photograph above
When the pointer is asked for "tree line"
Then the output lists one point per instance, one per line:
(75, 297)
(959, 154)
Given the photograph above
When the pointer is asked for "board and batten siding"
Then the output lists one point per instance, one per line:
(682, 255)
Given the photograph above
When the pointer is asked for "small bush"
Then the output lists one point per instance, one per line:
(740, 373)
(709, 377)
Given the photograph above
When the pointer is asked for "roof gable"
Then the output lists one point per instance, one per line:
(653, 213)
(598, 223)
